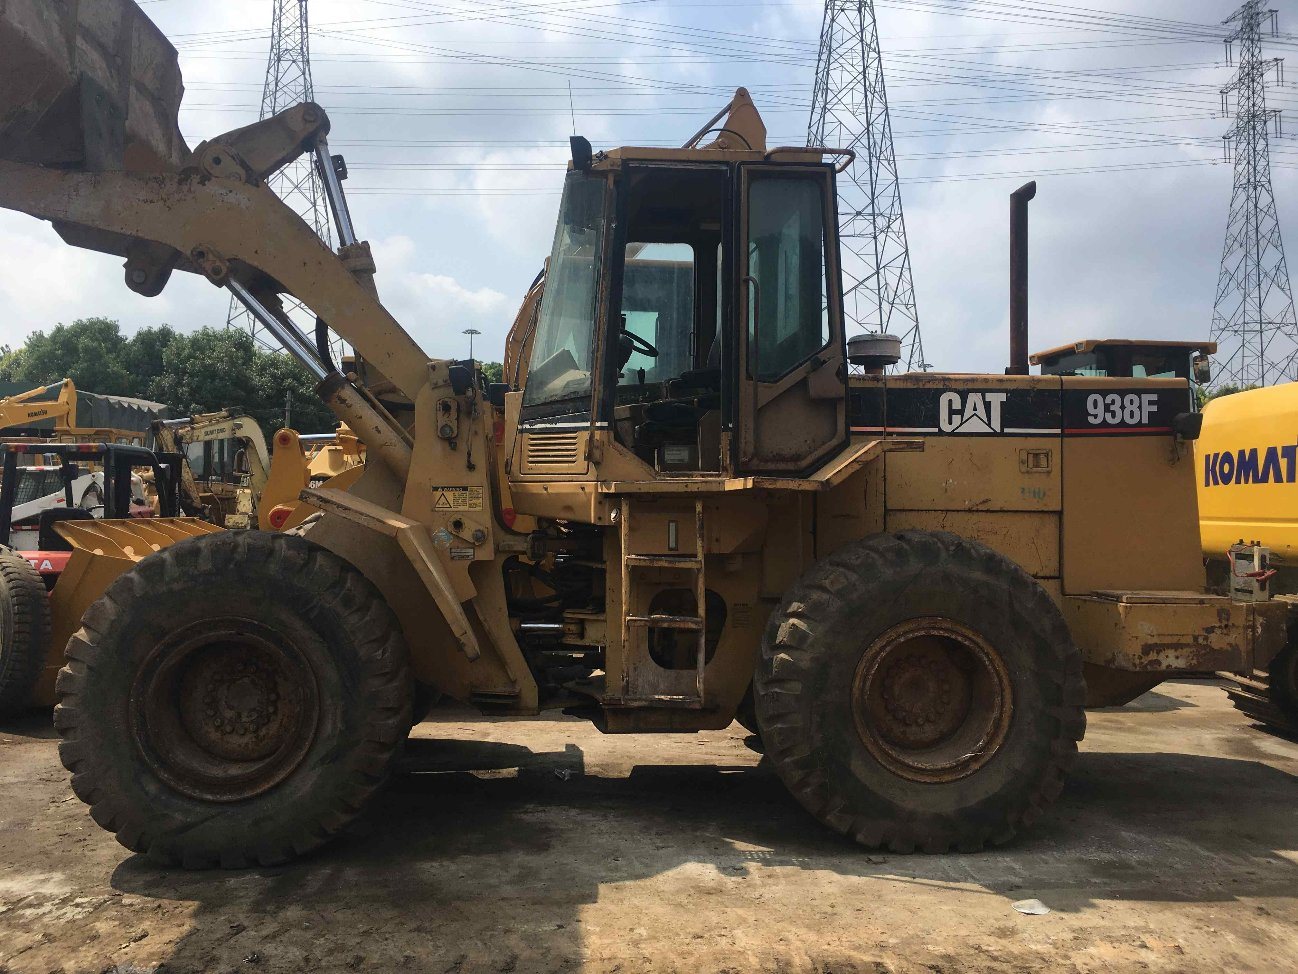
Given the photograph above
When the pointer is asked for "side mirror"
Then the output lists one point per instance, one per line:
(581, 152)
(461, 376)
(1201, 368)
(71, 472)
(1187, 426)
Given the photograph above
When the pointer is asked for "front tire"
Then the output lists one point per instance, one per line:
(920, 691)
(234, 699)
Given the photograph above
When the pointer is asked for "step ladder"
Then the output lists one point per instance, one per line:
(644, 683)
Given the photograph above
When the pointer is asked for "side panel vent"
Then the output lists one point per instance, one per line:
(548, 450)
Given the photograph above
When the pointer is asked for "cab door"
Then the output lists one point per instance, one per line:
(792, 370)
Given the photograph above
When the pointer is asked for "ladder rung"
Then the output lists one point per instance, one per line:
(664, 561)
(666, 622)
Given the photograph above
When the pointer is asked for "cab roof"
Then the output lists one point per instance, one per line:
(1090, 344)
(741, 137)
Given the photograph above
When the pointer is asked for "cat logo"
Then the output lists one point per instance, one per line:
(975, 412)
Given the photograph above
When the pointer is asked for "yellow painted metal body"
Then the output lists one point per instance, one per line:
(1247, 472)
(101, 551)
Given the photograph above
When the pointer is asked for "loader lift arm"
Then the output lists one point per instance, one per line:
(208, 211)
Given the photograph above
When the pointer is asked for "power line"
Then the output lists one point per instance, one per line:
(288, 83)
(1253, 317)
(849, 110)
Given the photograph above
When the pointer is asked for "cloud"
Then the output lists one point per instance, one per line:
(437, 308)
(44, 282)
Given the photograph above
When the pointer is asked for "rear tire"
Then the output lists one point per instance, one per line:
(920, 691)
(24, 632)
(1282, 675)
(1271, 696)
(234, 699)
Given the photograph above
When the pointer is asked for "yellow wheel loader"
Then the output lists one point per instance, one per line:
(685, 505)
(314, 460)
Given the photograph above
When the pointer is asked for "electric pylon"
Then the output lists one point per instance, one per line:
(288, 83)
(849, 109)
(1253, 318)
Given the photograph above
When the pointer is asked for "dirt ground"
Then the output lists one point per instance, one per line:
(542, 846)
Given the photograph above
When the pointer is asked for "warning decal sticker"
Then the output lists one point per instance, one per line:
(457, 498)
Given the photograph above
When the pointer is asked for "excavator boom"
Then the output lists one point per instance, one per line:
(35, 405)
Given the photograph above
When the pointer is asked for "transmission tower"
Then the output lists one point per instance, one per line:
(849, 109)
(1253, 319)
(288, 83)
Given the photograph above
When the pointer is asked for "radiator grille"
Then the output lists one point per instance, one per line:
(552, 449)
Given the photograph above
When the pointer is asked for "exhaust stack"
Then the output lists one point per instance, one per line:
(1019, 201)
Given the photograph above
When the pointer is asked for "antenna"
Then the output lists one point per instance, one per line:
(1253, 319)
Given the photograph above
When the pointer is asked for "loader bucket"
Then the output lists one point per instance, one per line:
(90, 85)
(101, 551)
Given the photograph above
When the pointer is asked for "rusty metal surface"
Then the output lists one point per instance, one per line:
(932, 700)
(1199, 634)
(225, 709)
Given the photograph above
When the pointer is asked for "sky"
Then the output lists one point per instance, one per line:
(454, 120)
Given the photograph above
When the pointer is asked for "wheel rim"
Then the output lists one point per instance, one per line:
(932, 700)
(225, 709)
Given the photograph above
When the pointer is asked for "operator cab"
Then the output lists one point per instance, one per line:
(1129, 359)
(688, 308)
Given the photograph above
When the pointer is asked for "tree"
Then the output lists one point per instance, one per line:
(1205, 397)
(144, 351)
(89, 352)
(218, 368)
(491, 371)
(209, 369)
(203, 371)
(274, 377)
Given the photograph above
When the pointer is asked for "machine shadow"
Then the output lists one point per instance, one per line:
(36, 724)
(491, 869)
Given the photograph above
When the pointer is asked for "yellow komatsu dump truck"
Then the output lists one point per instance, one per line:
(683, 509)
(1248, 516)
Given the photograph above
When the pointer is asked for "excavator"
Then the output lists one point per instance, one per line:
(229, 450)
(693, 500)
(56, 402)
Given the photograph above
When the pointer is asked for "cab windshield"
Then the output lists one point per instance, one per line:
(563, 347)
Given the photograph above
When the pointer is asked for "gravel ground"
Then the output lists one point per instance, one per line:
(540, 845)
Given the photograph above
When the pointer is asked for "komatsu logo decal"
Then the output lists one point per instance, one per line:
(1254, 465)
(974, 412)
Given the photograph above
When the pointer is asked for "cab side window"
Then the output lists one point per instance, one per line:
(788, 316)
